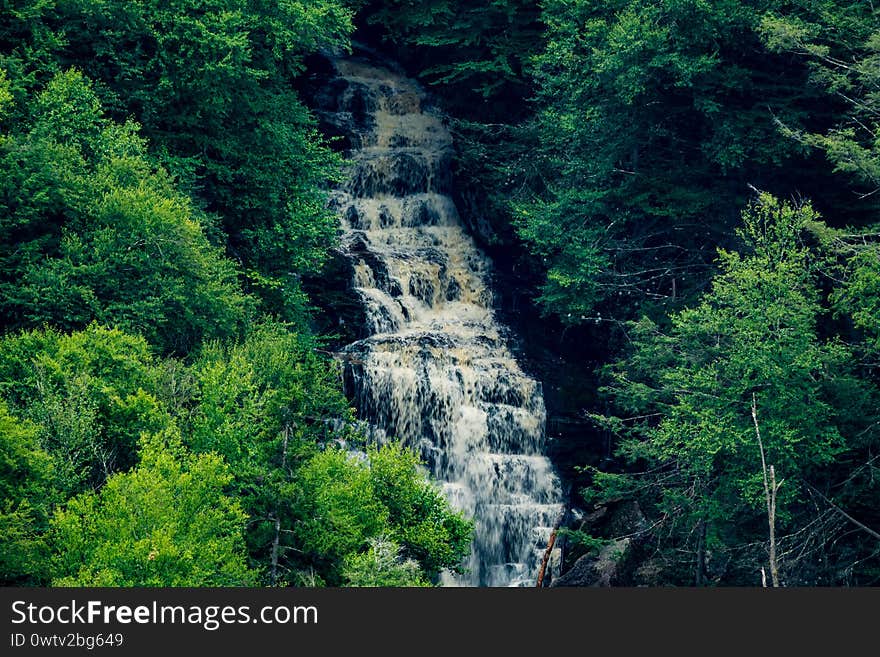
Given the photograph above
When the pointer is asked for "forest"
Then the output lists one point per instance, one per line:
(681, 201)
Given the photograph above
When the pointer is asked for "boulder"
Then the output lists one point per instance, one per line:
(596, 570)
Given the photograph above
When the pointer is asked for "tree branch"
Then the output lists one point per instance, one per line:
(858, 524)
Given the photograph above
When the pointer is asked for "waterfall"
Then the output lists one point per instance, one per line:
(435, 371)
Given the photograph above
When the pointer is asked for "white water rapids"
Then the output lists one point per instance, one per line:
(436, 370)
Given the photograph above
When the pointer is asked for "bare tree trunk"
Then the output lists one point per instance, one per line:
(276, 542)
(770, 488)
(774, 570)
(700, 570)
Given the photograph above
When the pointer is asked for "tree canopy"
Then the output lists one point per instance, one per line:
(165, 405)
(749, 361)
(682, 193)
(689, 188)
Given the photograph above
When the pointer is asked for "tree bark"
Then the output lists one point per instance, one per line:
(540, 581)
(275, 549)
(770, 488)
(774, 570)
(276, 541)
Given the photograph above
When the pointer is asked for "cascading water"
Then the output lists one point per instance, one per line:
(436, 371)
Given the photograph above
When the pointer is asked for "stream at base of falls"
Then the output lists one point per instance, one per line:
(435, 371)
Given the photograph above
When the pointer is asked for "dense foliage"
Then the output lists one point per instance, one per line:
(94, 231)
(748, 362)
(167, 417)
(688, 186)
(633, 156)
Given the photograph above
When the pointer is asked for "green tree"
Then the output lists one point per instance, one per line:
(26, 494)
(211, 82)
(348, 502)
(654, 118)
(27, 41)
(685, 395)
(382, 566)
(477, 51)
(154, 470)
(859, 296)
(93, 231)
(92, 393)
(271, 407)
(418, 515)
(841, 43)
(262, 410)
(265, 405)
(340, 511)
(168, 522)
